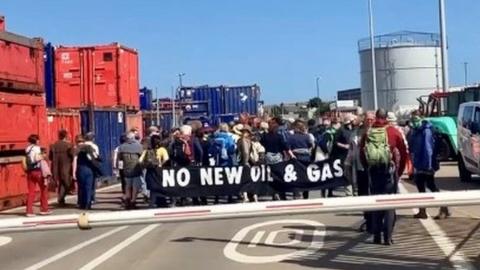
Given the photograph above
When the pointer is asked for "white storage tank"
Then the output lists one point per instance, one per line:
(408, 65)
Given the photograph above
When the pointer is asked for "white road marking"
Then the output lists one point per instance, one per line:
(258, 236)
(457, 258)
(273, 235)
(74, 249)
(230, 251)
(111, 252)
(4, 240)
(69, 197)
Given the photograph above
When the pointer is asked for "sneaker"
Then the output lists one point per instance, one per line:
(30, 215)
(46, 213)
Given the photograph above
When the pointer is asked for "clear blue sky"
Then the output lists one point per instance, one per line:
(282, 45)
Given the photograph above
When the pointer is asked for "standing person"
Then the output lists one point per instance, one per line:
(276, 147)
(85, 168)
(424, 157)
(325, 144)
(342, 139)
(301, 144)
(223, 147)
(61, 155)
(153, 130)
(118, 165)
(90, 140)
(181, 154)
(359, 171)
(251, 152)
(384, 153)
(129, 154)
(33, 158)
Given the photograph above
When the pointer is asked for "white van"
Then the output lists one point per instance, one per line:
(468, 136)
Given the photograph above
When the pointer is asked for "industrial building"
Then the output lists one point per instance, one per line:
(408, 65)
(351, 94)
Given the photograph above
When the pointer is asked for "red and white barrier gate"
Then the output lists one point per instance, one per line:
(245, 210)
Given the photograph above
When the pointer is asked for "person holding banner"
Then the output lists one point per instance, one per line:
(251, 152)
(276, 147)
(301, 145)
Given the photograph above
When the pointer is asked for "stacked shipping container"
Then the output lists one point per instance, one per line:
(94, 80)
(22, 108)
(225, 103)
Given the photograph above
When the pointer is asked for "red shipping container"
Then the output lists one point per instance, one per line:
(58, 120)
(100, 76)
(20, 116)
(21, 64)
(135, 120)
(13, 182)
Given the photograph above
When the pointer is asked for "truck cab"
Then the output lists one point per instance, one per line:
(468, 137)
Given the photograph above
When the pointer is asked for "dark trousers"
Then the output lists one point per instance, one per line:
(424, 180)
(86, 180)
(363, 183)
(64, 187)
(383, 182)
(122, 180)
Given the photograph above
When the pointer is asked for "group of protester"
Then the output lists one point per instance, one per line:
(373, 149)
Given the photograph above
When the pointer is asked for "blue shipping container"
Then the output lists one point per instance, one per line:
(212, 95)
(241, 99)
(225, 99)
(146, 99)
(108, 126)
(50, 75)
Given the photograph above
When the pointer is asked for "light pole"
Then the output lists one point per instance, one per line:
(465, 69)
(174, 96)
(318, 90)
(372, 52)
(443, 40)
(157, 107)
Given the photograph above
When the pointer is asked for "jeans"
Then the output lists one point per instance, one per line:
(35, 178)
(86, 181)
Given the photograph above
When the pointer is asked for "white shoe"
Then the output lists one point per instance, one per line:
(46, 213)
(30, 215)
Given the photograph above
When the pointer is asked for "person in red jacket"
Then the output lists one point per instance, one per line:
(384, 180)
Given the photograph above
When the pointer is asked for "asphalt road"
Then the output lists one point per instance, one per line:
(323, 241)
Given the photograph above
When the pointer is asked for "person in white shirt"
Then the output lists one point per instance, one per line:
(33, 157)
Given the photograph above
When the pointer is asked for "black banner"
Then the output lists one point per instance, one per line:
(291, 176)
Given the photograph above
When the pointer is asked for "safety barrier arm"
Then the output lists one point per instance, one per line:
(242, 210)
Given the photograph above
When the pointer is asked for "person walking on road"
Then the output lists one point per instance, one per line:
(33, 158)
(61, 155)
(423, 154)
(384, 153)
(129, 154)
(85, 168)
(90, 141)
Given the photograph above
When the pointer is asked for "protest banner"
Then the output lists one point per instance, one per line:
(289, 176)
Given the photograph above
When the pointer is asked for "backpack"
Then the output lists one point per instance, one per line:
(131, 164)
(27, 163)
(325, 140)
(179, 152)
(218, 149)
(377, 150)
(150, 159)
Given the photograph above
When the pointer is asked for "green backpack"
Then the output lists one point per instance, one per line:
(377, 150)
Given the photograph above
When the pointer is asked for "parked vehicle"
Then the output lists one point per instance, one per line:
(469, 140)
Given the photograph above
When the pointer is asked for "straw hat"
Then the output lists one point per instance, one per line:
(237, 129)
